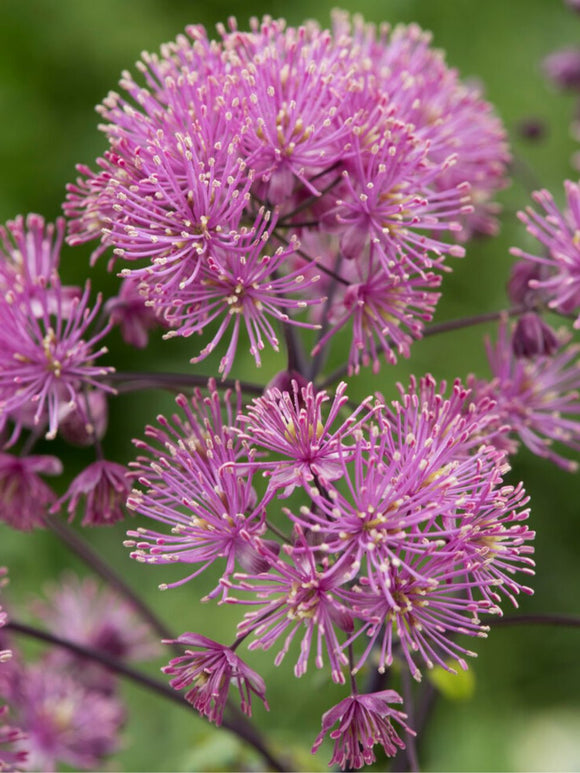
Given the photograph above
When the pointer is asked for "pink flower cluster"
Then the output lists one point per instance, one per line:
(280, 172)
(406, 536)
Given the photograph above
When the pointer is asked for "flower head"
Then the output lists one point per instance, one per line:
(208, 671)
(190, 486)
(46, 352)
(558, 277)
(24, 497)
(294, 426)
(63, 720)
(363, 722)
(85, 613)
(536, 398)
(104, 487)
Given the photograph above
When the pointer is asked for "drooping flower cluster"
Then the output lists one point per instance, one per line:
(280, 171)
(407, 533)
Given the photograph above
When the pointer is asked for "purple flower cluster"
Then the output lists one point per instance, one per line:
(67, 708)
(270, 181)
(46, 350)
(406, 536)
(260, 178)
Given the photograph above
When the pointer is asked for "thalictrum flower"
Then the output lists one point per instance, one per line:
(559, 263)
(102, 487)
(208, 671)
(46, 350)
(363, 722)
(306, 438)
(190, 486)
(24, 497)
(537, 398)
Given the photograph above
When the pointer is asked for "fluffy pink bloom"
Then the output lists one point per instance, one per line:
(450, 115)
(190, 486)
(301, 599)
(46, 351)
(367, 145)
(363, 722)
(294, 426)
(387, 200)
(24, 497)
(559, 261)
(208, 671)
(103, 487)
(386, 312)
(421, 520)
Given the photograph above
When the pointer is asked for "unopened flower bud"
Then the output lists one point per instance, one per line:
(532, 336)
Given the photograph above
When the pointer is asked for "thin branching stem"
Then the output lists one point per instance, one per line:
(240, 726)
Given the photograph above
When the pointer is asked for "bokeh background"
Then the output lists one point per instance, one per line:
(57, 61)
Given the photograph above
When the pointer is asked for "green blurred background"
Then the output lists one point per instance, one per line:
(58, 59)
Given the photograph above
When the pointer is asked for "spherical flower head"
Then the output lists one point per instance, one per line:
(80, 610)
(208, 671)
(24, 497)
(63, 720)
(103, 487)
(363, 722)
(557, 230)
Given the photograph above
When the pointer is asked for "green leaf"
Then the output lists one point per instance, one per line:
(457, 687)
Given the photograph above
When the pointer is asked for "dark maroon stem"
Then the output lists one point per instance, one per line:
(246, 732)
(80, 548)
(131, 382)
(478, 319)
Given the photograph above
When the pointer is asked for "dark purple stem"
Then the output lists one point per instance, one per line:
(247, 733)
(131, 382)
(80, 548)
